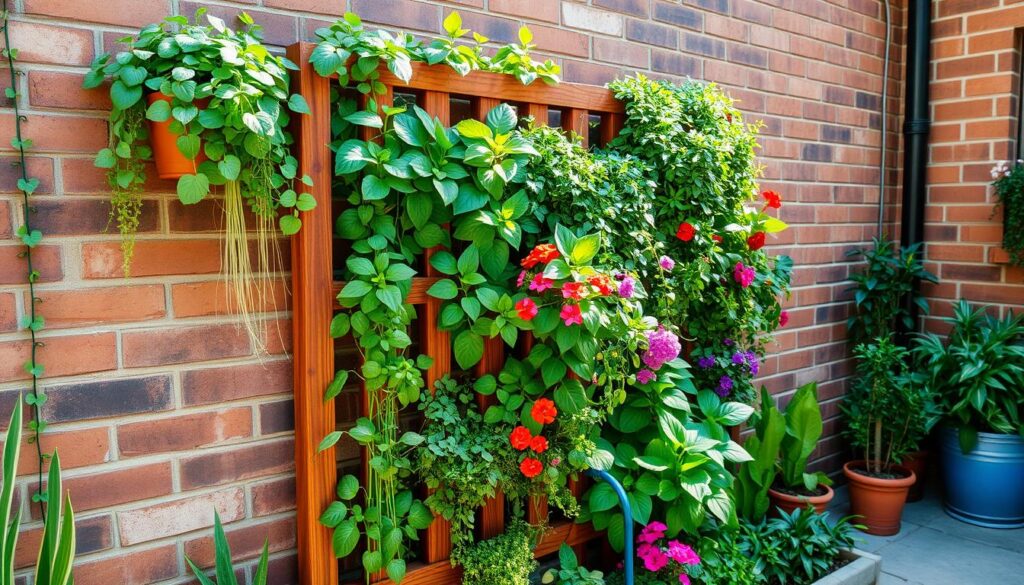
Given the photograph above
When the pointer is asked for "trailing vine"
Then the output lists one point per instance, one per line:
(33, 320)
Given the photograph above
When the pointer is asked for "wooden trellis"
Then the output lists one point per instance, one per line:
(314, 291)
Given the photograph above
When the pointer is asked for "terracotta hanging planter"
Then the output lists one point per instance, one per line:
(918, 463)
(788, 502)
(878, 501)
(170, 162)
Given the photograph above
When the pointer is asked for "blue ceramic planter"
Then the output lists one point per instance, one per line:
(986, 486)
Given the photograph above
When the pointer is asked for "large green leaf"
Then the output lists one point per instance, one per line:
(469, 348)
(193, 188)
(803, 429)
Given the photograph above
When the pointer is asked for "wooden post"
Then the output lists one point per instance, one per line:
(315, 473)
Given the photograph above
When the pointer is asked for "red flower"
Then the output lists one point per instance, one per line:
(602, 283)
(783, 318)
(571, 315)
(542, 254)
(539, 444)
(526, 309)
(520, 438)
(756, 241)
(685, 231)
(572, 290)
(531, 468)
(772, 199)
(717, 238)
(544, 411)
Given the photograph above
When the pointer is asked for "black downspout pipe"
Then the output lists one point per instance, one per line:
(915, 131)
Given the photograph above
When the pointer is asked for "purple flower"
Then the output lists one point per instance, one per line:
(644, 376)
(739, 358)
(662, 346)
(753, 362)
(626, 287)
(727, 342)
(706, 362)
(666, 263)
(724, 386)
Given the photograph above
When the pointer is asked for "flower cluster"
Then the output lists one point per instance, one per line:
(543, 413)
(672, 557)
(662, 347)
(726, 369)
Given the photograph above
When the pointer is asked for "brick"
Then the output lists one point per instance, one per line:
(621, 52)
(49, 89)
(77, 448)
(91, 535)
(58, 45)
(599, 21)
(180, 433)
(224, 384)
(131, 13)
(130, 568)
(59, 133)
(14, 266)
(183, 345)
(246, 542)
(589, 73)
(61, 355)
(631, 7)
(273, 496)
(975, 65)
(152, 258)
(38, 167)
(277, 417)
(74, 217)
(179, 516)
(107, 398)
(817, 152)
(559, 40)
(195, 299)
(220, 467)
(652, 34)
(675, 63)
(546, 10)
(320, 7)
(95, 306)
(278, 29)
(703, 45)
(82, 177)
(723, 26)
(498, 29)
(399, 13)
(120, 486)
(678, 15)
(748, 55)
(968, 272)
(8, 312)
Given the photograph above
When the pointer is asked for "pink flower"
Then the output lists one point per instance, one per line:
(653, 557)
(626, 287)
(652, 532)
(783, 318)
(644, 376)
(743, 274)
(682, 554)
(521, 279)
(572, 290)
(666, 263)
(571, 315)
(684, 579)
(541, 284)
(662, 346)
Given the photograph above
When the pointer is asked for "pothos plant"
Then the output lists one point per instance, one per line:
(226, 98)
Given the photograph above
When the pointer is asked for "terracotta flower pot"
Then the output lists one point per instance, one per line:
(879, 502)
(170, 163)
(788, 502)
(918, 463)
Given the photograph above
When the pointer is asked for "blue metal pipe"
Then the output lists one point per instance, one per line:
(627, 513)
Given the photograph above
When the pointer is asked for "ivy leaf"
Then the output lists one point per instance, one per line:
(329, 441)
(334, 514)
(502, 118)
(396, 569)
(473, 129)
(29, 186)
(124, 97)
(326, 59)
(364, 118)
(159, 111)
(348, 487)
(193, 188)
(346, 537)
(230, 166)
(290, 224)
(297, 104)
(340, 325)
(469, 349)
(602, 497)
(391, 296)
(105, 159)
(420, 516)
(210, 118)
(443, 289)
(444, 262)
(188, 145)
(373, 188)
(570, 397)
(419, 206)
(336, 385)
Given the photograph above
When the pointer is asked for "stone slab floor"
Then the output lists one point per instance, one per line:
(932, 548)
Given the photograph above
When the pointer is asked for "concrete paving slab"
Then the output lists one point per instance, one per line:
(1011, 540)
(874, 544)
(937, 558)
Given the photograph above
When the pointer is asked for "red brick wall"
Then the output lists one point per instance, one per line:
(159, 406)
(974, 92)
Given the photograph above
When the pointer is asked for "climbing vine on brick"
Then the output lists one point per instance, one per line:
(33, 320)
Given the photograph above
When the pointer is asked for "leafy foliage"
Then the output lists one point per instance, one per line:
(224, 567)
(1009, 187)
(225, 96)
(797, 548)
(977, 374)
(570, 572)
(879, 290)
(803, 429)
(506, 559)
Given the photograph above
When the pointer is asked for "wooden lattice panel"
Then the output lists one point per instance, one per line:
(314, 292)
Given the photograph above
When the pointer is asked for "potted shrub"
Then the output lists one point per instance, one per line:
(782, 443)
(882, 410)
(978, 377)
(1009, 186)
(216, 101)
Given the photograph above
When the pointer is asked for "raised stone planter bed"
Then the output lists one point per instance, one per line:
(863, 569)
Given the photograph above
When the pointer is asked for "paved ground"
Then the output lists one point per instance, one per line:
(934, 549)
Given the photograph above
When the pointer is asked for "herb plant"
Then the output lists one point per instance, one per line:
(879, 290)
(1009, 187)
(506, 559)
(570, 572)
(798, 548)
(977, 374)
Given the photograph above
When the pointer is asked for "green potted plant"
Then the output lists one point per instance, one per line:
(978, 376)
(776, 479)
(884, 413)
(1009, 186)
(210, 106)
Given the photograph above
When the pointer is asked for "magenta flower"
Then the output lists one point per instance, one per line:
(653, 557)
(521, 279)
(666, 263)
(571, 315)
(626, 287)
(541, 284)
(684, 579)
(662, 346)
(682, 553)
(743, 274)
(652, 532)
(644, 376)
